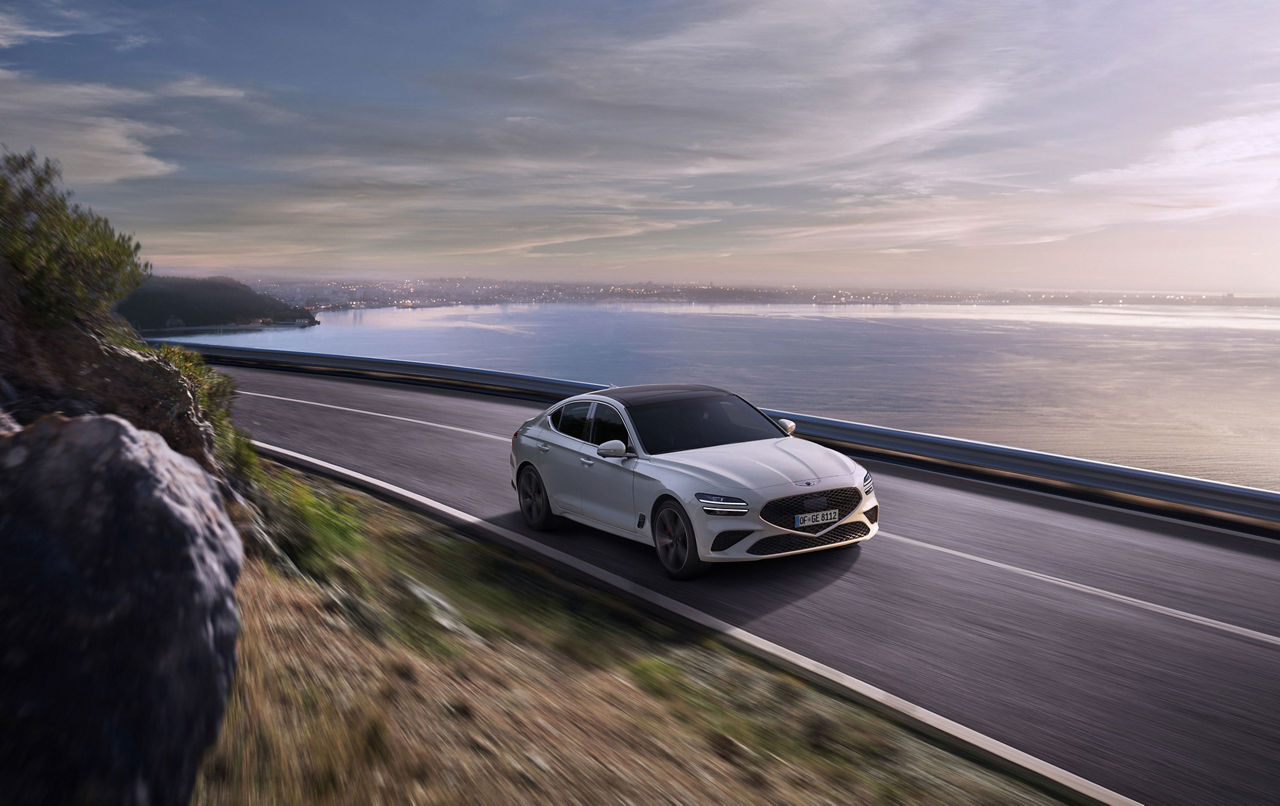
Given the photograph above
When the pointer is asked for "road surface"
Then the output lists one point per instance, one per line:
(1137, 652)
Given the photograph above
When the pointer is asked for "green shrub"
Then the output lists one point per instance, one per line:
(314, 532)
(658, 676)
(232, 449)
(66, 261)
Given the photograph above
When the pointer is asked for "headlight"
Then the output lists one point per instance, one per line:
(868, 486)
(721, 504)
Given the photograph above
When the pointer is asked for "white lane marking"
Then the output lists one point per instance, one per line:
(1105, 594)
(1078, 503)
(380, 414)
(1065, 583)
(933, 724)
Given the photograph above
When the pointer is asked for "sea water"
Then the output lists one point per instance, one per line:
(1193, 390)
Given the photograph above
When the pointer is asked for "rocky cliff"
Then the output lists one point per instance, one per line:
(73, 368)
(117, 615)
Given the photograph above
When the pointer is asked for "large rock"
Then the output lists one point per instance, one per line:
(117, 615)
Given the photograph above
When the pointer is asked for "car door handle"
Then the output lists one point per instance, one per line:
(544, 447)
(586, 461)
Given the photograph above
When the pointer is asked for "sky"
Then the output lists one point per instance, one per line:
(944, 143)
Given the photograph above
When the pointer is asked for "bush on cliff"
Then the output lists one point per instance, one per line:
(66, 260)
(232, 450)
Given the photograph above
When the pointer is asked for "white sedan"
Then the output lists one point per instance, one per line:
(695, 471)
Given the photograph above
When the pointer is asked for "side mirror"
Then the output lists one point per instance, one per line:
(613, 449)
(787, 426)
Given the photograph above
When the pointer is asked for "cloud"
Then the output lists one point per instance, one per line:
(86, 126)
(133, 42)
(104, 133)
(200, 87)
(675, 133)
(530, 239)
(16, 30)
(633, 139)
(768, 92)
(1211, 168)
(51, 21)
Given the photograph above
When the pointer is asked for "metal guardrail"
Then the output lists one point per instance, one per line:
(1198, 500)
(444, 376)
(1182, 497)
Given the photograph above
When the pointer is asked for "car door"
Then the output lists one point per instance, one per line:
(558, 450)
(607, 483)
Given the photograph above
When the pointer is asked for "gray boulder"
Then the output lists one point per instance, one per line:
(117, 614)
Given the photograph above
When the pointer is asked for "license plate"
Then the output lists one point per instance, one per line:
(814, 518)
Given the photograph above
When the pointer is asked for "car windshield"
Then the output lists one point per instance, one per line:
(699, 422)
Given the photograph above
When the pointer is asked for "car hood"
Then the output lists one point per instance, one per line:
(759, 464)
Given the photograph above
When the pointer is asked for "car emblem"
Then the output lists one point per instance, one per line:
(806, 483)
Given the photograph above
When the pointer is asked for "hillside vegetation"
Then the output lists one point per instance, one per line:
(178, 302)
(387, 659)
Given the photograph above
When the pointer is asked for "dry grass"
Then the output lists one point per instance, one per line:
(361, 691)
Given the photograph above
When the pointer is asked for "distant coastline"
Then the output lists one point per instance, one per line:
(346, 295)
(162, 332)
(173, 306)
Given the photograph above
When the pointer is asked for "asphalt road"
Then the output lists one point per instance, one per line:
(1139, 653)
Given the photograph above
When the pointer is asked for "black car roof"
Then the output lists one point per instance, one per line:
(658, 393)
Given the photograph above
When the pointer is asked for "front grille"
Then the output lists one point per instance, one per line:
(782, 512)
(781, 544)
(725, 540)
(873, 514)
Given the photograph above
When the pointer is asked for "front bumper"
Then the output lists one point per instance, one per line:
(750, 537)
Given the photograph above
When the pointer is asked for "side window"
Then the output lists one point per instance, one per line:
(555, 418)
(608, 425)
(572, 420)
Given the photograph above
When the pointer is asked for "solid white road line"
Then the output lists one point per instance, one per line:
(427, 423)
(922, 718)
(1092, 591)
(1065, 583)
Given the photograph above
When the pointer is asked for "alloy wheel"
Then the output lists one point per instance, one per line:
(672, 539)
(533, 498)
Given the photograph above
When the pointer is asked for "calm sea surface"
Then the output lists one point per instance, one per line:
(1194, 391)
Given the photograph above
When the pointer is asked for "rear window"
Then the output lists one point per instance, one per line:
(571, 420)
(700, 422)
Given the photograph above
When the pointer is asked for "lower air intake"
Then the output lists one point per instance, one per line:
(781, 544)
(728, 539)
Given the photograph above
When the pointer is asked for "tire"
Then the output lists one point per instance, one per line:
(673, 540)
(534, 505)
